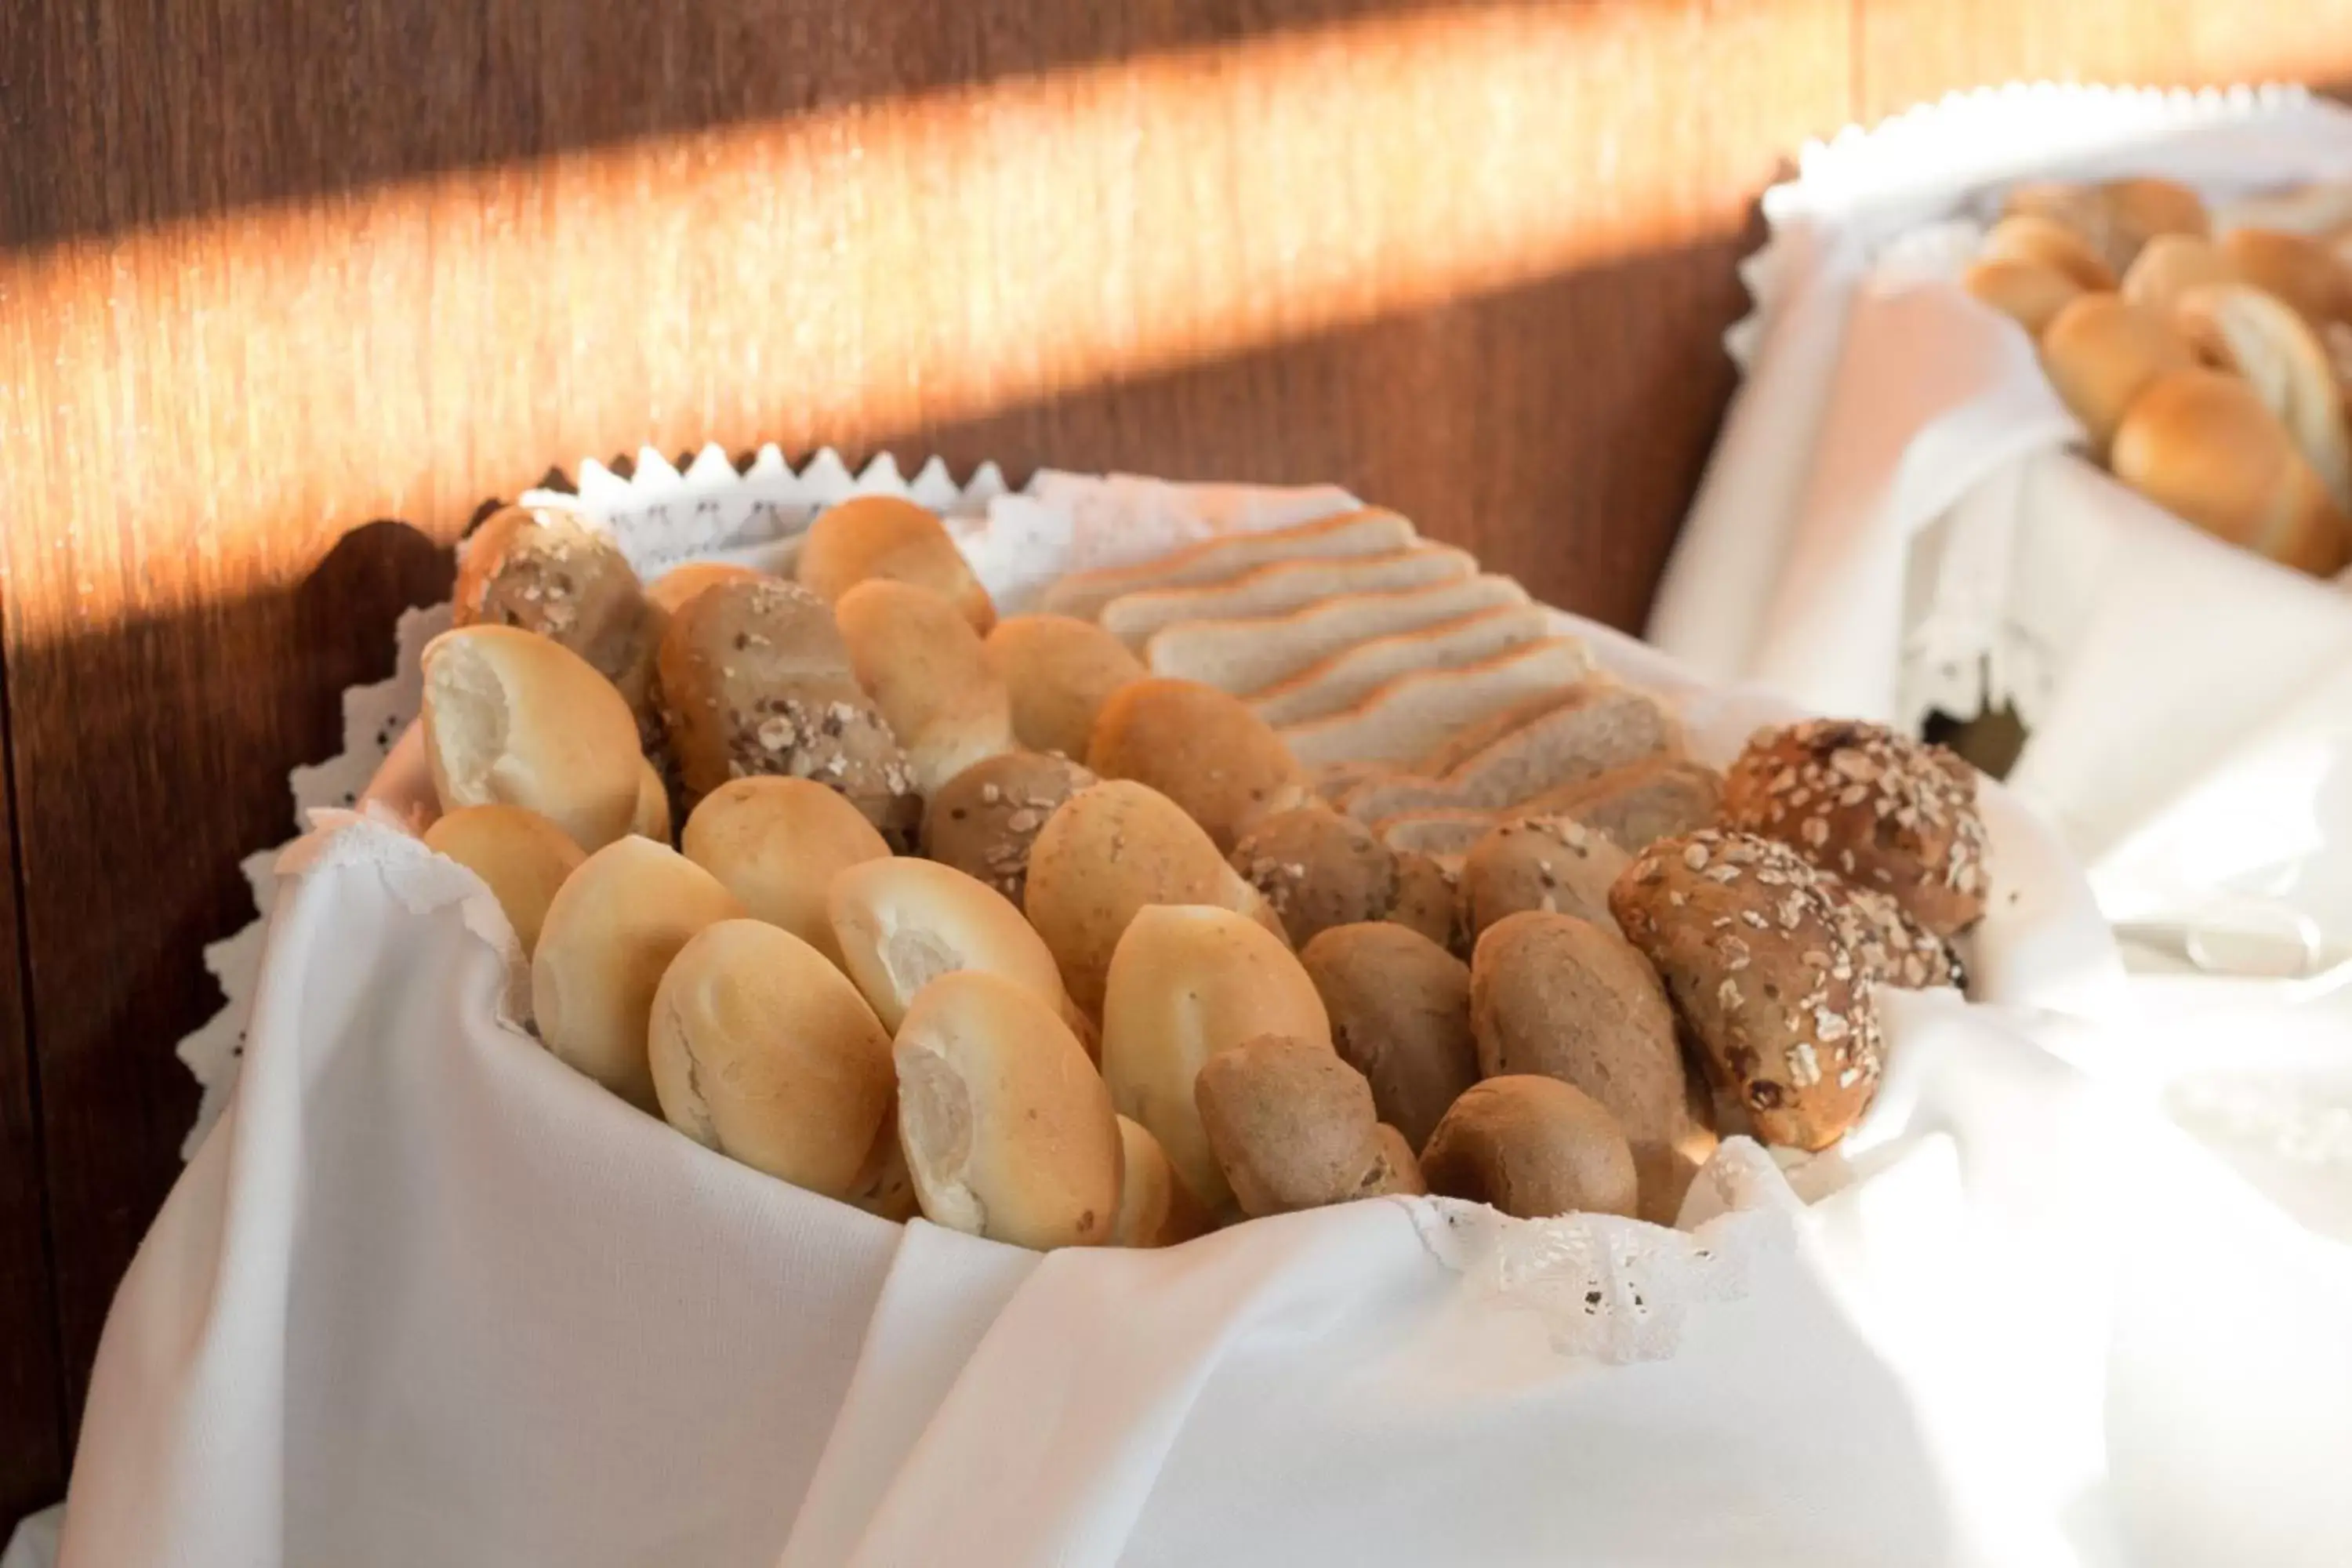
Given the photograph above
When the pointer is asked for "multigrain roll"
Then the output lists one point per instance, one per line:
(1319, 869)
(523, 856)
(868, 537)
(611, 930)
(761, 1050)
(1533, 1147)
(1550, 863)
(776, 844)
(1888, 945)
(1188, 981)
(1155, 1209)
(1882, 810)
(1202, 749)
(2102, 352)
(756, 680)
(1553, 995)
(921, 662)
(984, 821)
(2202, 445)
(1400, 1011)
(552, 572)
(511, 718)
(1750, 946)
(1059, 671)
(901, 924)
(1008, 1129)
(1291, 1125)
(1113, 849)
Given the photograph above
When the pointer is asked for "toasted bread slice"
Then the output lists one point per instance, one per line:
(1372, 531)
(1635, 806)
(1281, 587)
(1405, 719)
(1603, 725)
(1349, 676)
(1246, 657)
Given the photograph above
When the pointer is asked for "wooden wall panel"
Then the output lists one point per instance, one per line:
(32, 1452)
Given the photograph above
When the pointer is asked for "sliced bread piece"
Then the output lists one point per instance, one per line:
(1372, 531)
(1443, 835)
(1471, 739)
(1280, 588)
(1248, 656)
(1332, 783)
(1633, 806)
(1347, 677)
(1604, 725)
(1405, 719)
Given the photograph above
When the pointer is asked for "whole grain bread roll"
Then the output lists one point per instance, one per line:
(984, 821)
(1400, 1011)
(523, 856)
(1632, 806)
(921, 662)
(901, 924)
(2102, 352)
(556, 574)
(1553, 995)
(1202, 749)
(869, 537)
(1155, 1209)
(761, 1050)
(1533, 1147)
(511, 718)
(1187, 982)
(1291, 1125)
(1750, 946)
(1007, 1127)
(610, 933)
(1059, 670)
(1888, 945)
(1550, 863)
(776, 844)
(1880, 809)
(2202, 445)
(1318, 870)
(669, 592)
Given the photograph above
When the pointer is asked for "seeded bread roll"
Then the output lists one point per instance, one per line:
(868, 537)
(1634, 805)
(1155, 1209)
(1199, 747)
(652, 817)
(756, 680)
(1550, 863)
(1318, 870)
(2102, 352)
(1291, 1125)
(669, 592)
(901, 924)
(1533, 1147)
(1007, 1127)
(610, 932)
(761, 1050)
(511, 718)
(984, 820)
(922, 664)
(523, 856)
(1888, 945)
(1748, 941)
(1109, 851)
(1571, 1000)
(2027, 293)
(1186, 983)
(554, 573)
(1059, 671)
(1400, 1010)
(776, 844)
(1880, 809)
(2203, 445)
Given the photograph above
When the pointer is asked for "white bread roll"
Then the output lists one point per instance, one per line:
(610, 932)
(652, 818)
(1187, 982)
(761, 1050)
(1155, 1209)
(2201, 444)
(2281, 357)
(2027, 293)
(1058, 670)
(523, 856)
(511, 718)
(2296, 268)
(1370, 532)
(1202, 749)
(2172, 265)
(923, 665)
(2101, 352)
(1007, 1127)
(901, 924)
(870, 537)
(1281, 587)
(776, 844)
(2034, 237)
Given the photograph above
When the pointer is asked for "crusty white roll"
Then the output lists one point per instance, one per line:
(2171, 265)
(513, 718)
(869, 537)
(1058, 670)
(652, 818)
(1187, 982)
(2201, 444)
(2101, 351)
(777, 844)
(2296, 268)
(523, 856)
(553, 572)
(1007, 1127)
(901, 924)
(2034, 237)
(610, 932)
(923, 665)
(1155, 1209)
(2279, 355)
(762, 1050)
(2028, 293)
(1201, 748)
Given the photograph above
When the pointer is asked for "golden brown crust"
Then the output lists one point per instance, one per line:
(1533, 1147)
(1400, 1009)
(549, 572)
(984, 820)
(1202, 749)
(1292, 1126)
(1059, 670)
(883, 536)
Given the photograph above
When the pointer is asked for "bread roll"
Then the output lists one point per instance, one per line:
(511, 718)
(1155, 1209)
(2171, 265)
(1007, 1127)
(2296, 268)
(2032, 236)
(1428, 901)
(2201, 445)
(1318, 870)
(1058, 670)
(556, 574)
(1533, 1147)
(1200, 748)
(1400, 1011)
(1368, 532)
(1561, 997)
(2102, 352)
(652, 817)
(761, 1050)
(1291, 1125)
(1110, 851)
(670, 591)
(1888, 945)
(902, 923)
(756, 680)
(1747, 943)
(777, 844)
(610, 932)
(1641, 801)
(2146, 208)
(984, 821)
(1550, 863)
(1880, 809)
(523, 856)
(1445, 835)
(1396, 1172)
(2027, 293)
(868, 537)
(922, 664)
(1187, 982)
(2279, 355)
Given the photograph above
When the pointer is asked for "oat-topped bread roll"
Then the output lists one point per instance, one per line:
(868, 537)
(984, 820)
(1155, 1208)
(2202, 445)
(1370, 532)
(523, 856)
(553, 571)
(755, 678)
(1319, 869)
(2027, 293)
(1571, 1000)
(922, 664)
(1555, 864)
(1888, 945)
(776, 843)
(1882, 810)
(901, 924)
(2102, 352)
(1749, 944)
(1281, 587)
(513, 718)
(1601, 725)
(1533, 1147)
(1400, 1010)
(1634, 805)
(1292, 1127)
(1200, 748)
(1059, 670)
